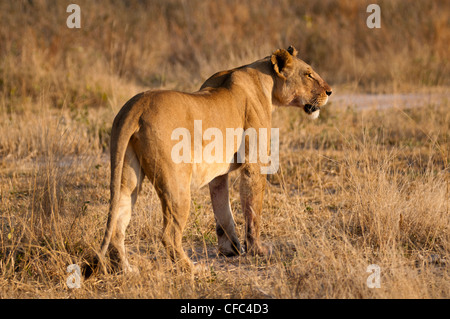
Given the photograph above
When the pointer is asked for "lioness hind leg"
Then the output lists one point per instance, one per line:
(175, 214)
(225, 227)
(132, 176)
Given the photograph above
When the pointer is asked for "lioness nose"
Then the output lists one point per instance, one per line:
(329, 92)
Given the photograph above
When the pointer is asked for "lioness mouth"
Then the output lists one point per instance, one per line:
(309, 109)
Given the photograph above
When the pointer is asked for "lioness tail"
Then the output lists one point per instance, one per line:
(124, 126)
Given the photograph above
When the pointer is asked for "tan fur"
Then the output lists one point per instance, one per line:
(141, 146)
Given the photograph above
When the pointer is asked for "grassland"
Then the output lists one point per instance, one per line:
(356, 187)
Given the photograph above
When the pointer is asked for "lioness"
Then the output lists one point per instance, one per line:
(141, 145)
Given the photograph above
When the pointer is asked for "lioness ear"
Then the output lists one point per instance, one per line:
(293, 51)
(282, 63)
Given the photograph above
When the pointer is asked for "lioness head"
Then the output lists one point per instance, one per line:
(297, 84)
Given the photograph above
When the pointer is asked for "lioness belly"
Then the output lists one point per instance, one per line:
(203, 173)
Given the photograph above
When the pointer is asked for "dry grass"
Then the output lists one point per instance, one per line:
(355, 187)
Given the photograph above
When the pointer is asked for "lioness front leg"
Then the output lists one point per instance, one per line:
(225, 227)
(252, 192)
